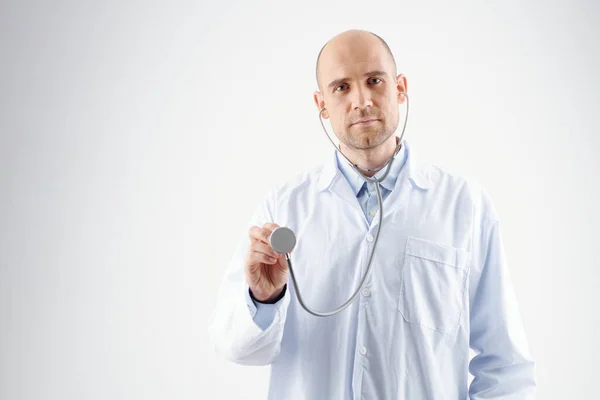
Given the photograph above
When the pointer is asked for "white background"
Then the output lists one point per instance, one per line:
(136, 139)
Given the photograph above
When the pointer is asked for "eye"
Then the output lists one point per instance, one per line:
(341, 87)
(374, 81)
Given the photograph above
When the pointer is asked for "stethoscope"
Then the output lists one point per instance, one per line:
(283, 239)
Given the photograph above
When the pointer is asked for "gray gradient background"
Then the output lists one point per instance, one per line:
(136, 139)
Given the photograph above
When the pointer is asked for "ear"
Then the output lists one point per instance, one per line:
(402, 87)
(320, 103)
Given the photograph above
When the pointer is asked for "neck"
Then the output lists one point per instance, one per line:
(371, 158)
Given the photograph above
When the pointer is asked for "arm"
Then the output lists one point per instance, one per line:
(242, 330)
(502, 368)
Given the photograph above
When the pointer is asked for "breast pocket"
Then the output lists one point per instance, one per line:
(433, 284)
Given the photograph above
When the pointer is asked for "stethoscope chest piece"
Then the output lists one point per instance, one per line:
(283, 240)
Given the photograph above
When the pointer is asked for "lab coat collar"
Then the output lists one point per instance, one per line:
(418, 175)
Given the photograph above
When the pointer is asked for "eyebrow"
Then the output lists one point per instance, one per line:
(372, 73)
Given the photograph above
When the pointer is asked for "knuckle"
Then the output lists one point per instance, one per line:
(252, 231)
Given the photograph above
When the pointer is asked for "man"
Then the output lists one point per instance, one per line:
(438, 285)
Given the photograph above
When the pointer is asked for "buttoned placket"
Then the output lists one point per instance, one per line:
(362, 350)
(372, 202)
(361, 357)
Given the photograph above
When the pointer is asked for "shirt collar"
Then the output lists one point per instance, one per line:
(418, 175)
(356, 181)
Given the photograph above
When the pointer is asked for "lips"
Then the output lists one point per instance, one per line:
(364, 121)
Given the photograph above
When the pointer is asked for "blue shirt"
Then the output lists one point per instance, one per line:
(365, 191)
(439, 286)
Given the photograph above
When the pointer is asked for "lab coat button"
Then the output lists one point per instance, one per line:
(366, 292)
(369, 238)
(363, 350)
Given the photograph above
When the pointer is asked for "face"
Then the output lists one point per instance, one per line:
(360, 92)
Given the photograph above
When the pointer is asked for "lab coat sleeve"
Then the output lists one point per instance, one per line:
(502, 367)
(241, 330)
(264, 314)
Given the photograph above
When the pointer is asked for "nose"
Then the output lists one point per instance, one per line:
(361, 98)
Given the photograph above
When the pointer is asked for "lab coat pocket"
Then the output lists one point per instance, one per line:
(432, 290)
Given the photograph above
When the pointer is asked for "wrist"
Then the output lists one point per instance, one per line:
(269, 299)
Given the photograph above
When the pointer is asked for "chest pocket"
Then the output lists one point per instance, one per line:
(433, 284)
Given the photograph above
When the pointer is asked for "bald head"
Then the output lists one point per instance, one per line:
(347, 41)
(359, 91)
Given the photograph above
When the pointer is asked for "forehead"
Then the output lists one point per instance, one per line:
(350, 60)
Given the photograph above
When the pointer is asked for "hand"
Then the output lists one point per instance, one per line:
(266, 270)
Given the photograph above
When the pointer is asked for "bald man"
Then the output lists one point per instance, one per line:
(439, 282)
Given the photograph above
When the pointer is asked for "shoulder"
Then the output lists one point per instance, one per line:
(463, 188)
(298, 184)
(447, 179)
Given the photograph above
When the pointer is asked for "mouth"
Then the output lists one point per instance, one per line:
(365, 122)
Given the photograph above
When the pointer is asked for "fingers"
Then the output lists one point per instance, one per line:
(260, 247)
(256, 257)
(271, 226)
(266, 249)
(262, 234)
